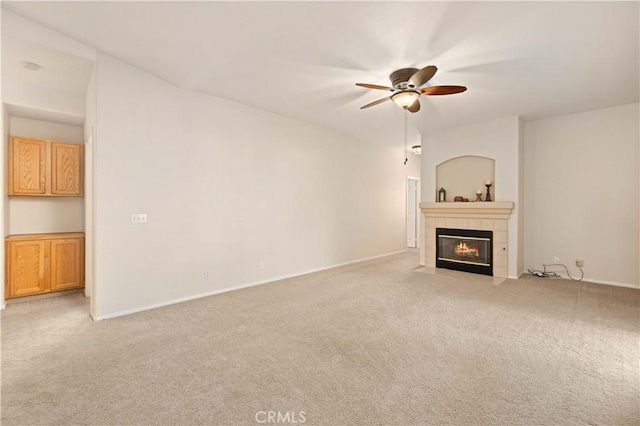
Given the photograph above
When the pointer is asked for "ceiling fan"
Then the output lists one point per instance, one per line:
(407, 87)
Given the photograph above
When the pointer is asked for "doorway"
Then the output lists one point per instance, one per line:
(412, 208)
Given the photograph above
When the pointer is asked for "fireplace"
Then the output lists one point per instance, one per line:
(494, 216)
(466, 250)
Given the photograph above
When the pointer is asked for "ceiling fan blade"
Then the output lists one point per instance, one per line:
(415, 107)
(423, 75)
(374, 103)
(374, 86)
(442, 90)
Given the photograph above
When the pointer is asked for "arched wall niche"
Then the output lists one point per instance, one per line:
(465, 175)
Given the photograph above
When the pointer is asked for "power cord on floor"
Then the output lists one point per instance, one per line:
(552, 274)
(538, 273)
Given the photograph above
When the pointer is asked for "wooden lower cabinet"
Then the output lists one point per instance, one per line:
(41, 263)
(66, 264)
(27, 268)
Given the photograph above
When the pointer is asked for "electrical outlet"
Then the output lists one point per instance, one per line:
(261, 265)
(579, 263)
(556, 260)
(207, 275)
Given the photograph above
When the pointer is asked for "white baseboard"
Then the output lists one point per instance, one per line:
(613, 283)
(605, 282)
(225, 290)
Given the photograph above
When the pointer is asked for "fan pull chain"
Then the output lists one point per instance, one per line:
(405, 137)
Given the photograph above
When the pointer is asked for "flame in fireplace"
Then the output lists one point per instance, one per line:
(462, 249)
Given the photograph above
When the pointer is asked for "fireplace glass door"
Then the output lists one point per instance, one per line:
(464, 250)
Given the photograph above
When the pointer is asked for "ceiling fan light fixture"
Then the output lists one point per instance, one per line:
(408, 84)
(405, 98)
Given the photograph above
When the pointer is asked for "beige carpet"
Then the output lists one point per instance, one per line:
(369, 344)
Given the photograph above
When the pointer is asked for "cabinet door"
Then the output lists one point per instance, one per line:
(66, 168)
(27, 167)
(66, 264)
(27, 267)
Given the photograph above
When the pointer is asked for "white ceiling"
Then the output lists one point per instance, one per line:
(61, 74)
(60, 71)
(301, 59)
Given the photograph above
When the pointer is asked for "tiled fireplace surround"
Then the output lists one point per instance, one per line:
(484, 216)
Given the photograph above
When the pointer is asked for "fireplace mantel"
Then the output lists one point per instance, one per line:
(486, 216)
(469, 210)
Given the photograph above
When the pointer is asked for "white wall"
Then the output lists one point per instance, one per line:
(497, 139)
(464, 176)
(29, 215)
(581, 177)
(225, 187)
(34, 215)
(46, 130)
(44, 99)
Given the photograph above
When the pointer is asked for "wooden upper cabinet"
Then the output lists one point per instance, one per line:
(27, 170)
(45, 168)
(66, 169)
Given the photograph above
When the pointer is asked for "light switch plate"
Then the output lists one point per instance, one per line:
(138, 218)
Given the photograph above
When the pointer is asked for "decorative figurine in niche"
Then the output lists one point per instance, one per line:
(479, 195)
(442, 195)
(488, 185)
